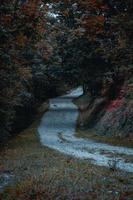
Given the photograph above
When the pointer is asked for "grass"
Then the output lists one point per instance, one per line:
(116, 141)
(41, 173)
(44, 174)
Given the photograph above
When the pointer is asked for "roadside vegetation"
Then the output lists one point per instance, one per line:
(47, 48)
(41, 173)
(117, 141)
(46, 45)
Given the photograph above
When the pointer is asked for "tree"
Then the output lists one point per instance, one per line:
(105, 26)
(22, 26)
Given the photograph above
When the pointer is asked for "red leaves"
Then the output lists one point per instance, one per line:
(95, 24)
(30, 7)
(115, 104)
(94, 5)
(94, 19)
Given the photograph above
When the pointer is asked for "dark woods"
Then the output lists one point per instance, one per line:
(46, 45)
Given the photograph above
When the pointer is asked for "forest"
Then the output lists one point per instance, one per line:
(43, 44)
(47, 49)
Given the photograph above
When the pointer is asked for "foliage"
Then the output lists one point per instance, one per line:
(22, 27)
(43, 43)
(96, 30)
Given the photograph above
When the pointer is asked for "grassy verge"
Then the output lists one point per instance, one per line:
(116, 141)
(42, 173)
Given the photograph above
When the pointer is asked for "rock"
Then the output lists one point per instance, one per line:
(108, 117)
(118, 121)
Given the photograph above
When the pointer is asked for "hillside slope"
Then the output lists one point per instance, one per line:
(108, 117)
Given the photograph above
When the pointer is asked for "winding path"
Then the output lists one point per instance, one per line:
(57, 129)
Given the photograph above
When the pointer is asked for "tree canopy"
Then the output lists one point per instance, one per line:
(45, 42)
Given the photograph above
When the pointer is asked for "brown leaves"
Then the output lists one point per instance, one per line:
(6, 19)
(66, 13)
(25, 73)
(94, 5)
(44, 49)
(30, 7)
(95, 24)
(21, 39)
